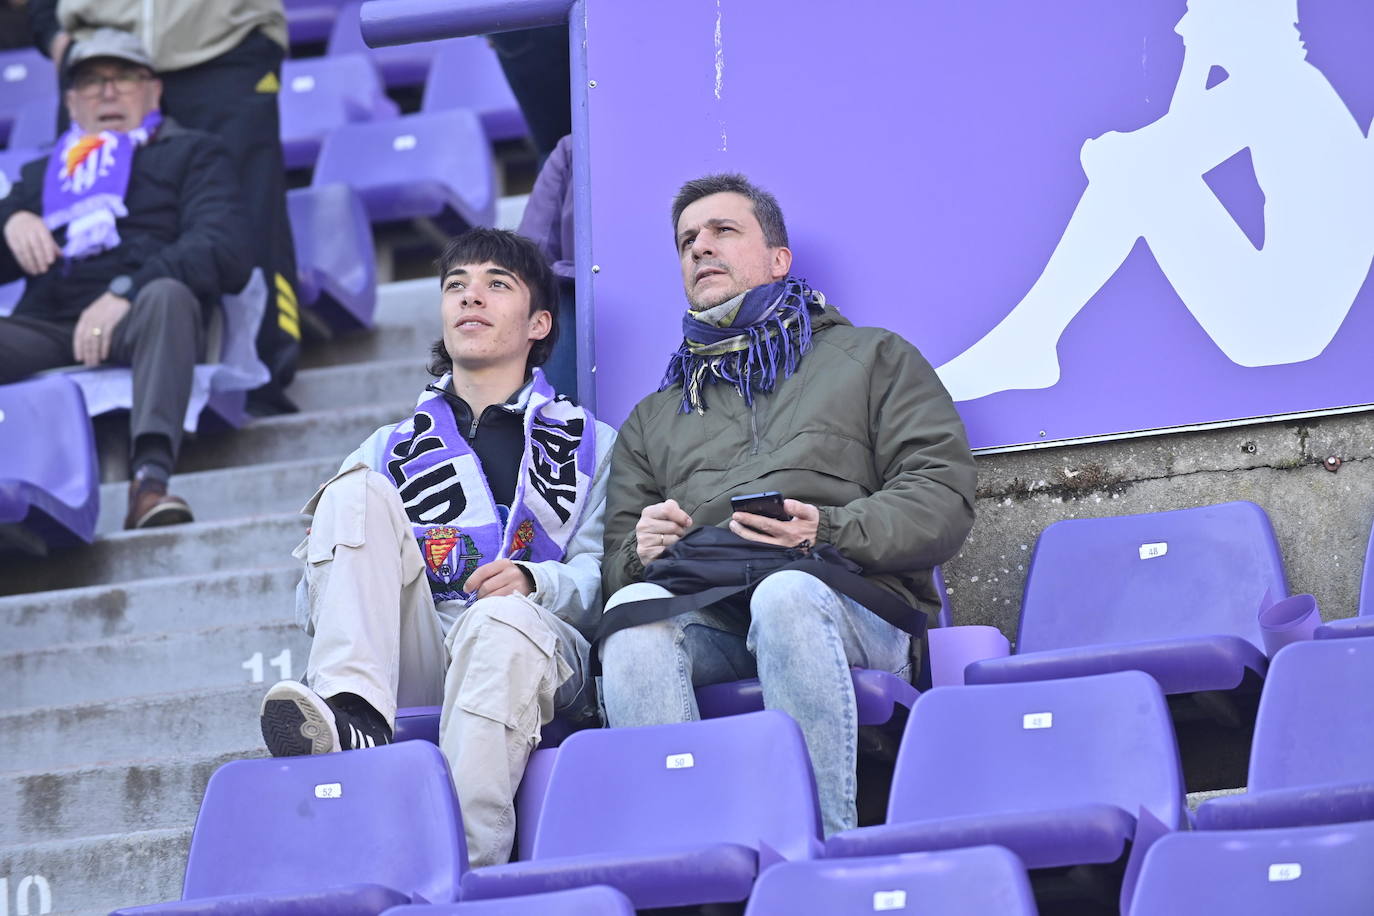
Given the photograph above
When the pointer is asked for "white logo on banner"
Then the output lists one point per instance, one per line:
(1280, 302)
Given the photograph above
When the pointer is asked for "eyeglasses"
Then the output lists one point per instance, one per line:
(92, 85)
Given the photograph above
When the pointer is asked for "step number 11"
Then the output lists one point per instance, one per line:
(282, 663)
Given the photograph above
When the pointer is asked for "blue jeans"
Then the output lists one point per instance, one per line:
(799, 638)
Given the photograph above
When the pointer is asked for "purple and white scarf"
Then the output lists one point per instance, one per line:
(85, 184)
(449, 503)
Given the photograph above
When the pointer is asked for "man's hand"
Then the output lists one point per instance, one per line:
(31, 243)
(659, 527)
(804, 525)
(497, 578)
(95, 329)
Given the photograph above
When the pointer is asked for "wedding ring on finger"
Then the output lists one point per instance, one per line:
(96, 332)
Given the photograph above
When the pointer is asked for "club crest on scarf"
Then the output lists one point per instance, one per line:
(450, 555)
(446, 497)
(85, 183)
(747, 342)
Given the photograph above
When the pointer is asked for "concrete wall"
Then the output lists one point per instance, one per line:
(1322, 517)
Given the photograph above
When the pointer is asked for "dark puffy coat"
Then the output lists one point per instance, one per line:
(184, 222)
(864, 430)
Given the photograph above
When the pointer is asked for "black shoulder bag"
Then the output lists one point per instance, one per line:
(711, 565)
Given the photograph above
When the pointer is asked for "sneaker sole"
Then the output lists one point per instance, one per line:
(167, 514)
(296, 722)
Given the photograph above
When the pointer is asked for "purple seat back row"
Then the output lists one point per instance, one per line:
(1363, 624)
(979, 879)
(351, 832)
(1259, 872)
(671, 815)
(25, 75)
(1312, 758)
(400, 65)
(335, 260)
(466, 73)
(597, 900)
(1176, 594)
(51, 490)
(310, 20)
(321, 93)
(420, 165)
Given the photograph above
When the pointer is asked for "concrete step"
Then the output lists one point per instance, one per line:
(47, 619)
(72, 802)
(96, 874)
(158, 663)
(407, 324)
(159, 726)
(329, 434)
(226, 493)
(128, 556)
(378, 382)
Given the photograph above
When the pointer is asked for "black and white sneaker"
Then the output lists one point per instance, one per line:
(297, 721)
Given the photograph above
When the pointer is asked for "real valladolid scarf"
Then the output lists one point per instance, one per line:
(85, 183)
(452, 512)
(748, 342)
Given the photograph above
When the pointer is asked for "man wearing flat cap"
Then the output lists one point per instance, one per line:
(126, 233)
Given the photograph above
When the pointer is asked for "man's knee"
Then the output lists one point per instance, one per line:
(340, 516)
(505, 624)
(789, 601)
(168, 295)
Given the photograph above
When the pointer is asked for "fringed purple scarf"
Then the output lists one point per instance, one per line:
(85, 183)
(745, 342)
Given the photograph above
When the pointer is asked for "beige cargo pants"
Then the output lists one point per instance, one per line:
(501, 668)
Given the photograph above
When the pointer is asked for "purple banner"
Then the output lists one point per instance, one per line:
(1093, 218)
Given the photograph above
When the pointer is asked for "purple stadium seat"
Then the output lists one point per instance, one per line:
(671, 815)
(879, 693)
(400, 65)
(597, 900)
(1362, 625)
(1174, 594)
(335, 261)
(1060, 772)
(352, 832)
(1312, 761)
(53, 492)
(309, 21)
(320, 93)
(11, 161)
(35, 123)
(1322, 870)
(980, 879)
(420, 165)
(25, 75)
(10, 294)
(466, 73)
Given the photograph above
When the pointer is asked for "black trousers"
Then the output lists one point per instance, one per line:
(160, 338)
(234, 97)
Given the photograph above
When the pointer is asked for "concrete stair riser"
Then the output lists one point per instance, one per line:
(163, 662)
(119, 798)
(46, 619)
(96, 874)
(328, 434)
(280, 487)
(172, 551)
(392, 381)
(162, 725)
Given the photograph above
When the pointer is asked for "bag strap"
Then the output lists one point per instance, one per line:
(881, 602)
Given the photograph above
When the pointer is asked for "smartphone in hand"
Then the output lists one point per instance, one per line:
(767, 504)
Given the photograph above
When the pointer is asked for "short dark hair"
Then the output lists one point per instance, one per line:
(766, 208)
(521, 257)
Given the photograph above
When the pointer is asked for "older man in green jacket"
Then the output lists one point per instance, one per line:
(772, 389)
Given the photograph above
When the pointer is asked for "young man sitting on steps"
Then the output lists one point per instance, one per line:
(455, 558)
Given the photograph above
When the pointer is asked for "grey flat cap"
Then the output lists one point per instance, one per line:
(114, 43)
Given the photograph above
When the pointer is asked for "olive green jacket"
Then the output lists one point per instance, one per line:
(864, 430)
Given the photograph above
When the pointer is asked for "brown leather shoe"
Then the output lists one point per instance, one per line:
(150, 505)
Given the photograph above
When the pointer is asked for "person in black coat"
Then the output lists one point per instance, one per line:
(127, 233)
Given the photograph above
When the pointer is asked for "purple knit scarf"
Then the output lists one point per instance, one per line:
(766, 337)
(85, 183)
